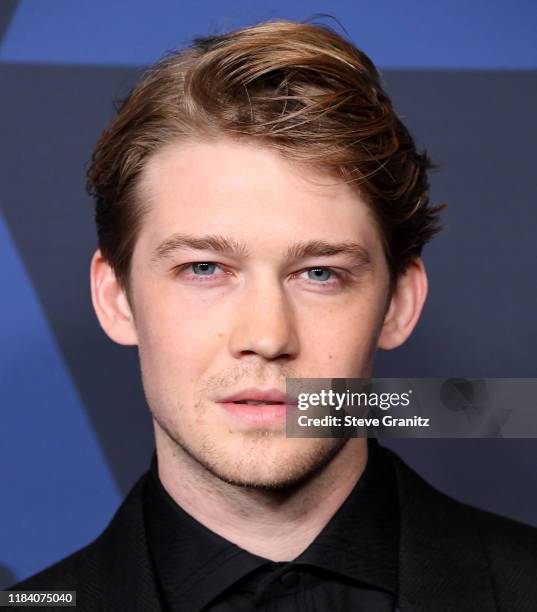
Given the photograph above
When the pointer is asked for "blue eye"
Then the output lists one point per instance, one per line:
(321, 274)
(203, 269)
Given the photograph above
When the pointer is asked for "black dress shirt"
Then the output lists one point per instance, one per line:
(350, 566)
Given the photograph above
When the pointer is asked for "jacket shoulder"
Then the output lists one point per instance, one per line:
(511, 549)
(506, 537)
(114, 571)
(472, 550)
(66, 574)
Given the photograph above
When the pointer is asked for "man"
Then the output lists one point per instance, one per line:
(261, 212)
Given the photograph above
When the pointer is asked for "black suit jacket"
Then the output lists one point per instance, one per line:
(452, 558)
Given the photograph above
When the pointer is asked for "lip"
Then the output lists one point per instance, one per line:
(268, 395)
(273, 412)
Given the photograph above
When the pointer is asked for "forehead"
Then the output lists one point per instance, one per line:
(248, 192)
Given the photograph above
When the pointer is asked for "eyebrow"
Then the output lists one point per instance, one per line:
(225, 246)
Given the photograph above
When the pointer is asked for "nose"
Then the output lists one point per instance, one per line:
(263, 323)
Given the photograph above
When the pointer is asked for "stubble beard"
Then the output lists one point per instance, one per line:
(288, 473)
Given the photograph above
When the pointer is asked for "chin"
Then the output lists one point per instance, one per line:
(275, 464)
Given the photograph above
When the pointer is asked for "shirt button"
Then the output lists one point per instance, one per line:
(289, 579)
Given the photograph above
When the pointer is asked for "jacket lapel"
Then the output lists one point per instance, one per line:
(442, 563)
(124, 563)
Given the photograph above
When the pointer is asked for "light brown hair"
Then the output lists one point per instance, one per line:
(299, 88)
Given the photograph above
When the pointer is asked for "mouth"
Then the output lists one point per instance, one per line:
(257, 402)
(258, 407)
(254, 395)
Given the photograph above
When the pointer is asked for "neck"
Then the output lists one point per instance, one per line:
(277, 525)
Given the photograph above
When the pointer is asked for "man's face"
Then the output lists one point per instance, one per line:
(212, 320)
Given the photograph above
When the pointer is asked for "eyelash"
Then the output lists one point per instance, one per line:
(339, 274)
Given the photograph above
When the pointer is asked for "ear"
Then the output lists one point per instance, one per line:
(405, 306)
(110, 302)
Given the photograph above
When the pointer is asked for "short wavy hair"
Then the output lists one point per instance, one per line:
(299, 88)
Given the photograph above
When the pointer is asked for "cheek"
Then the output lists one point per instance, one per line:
(354, 318)
(341, 338)
(175, 344)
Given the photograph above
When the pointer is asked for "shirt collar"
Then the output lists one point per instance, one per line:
(361, 540)
(194, 565)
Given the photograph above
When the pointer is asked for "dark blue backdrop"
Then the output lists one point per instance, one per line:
(75, 431)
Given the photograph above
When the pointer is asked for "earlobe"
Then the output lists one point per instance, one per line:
(110, 302)
(405, 307)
